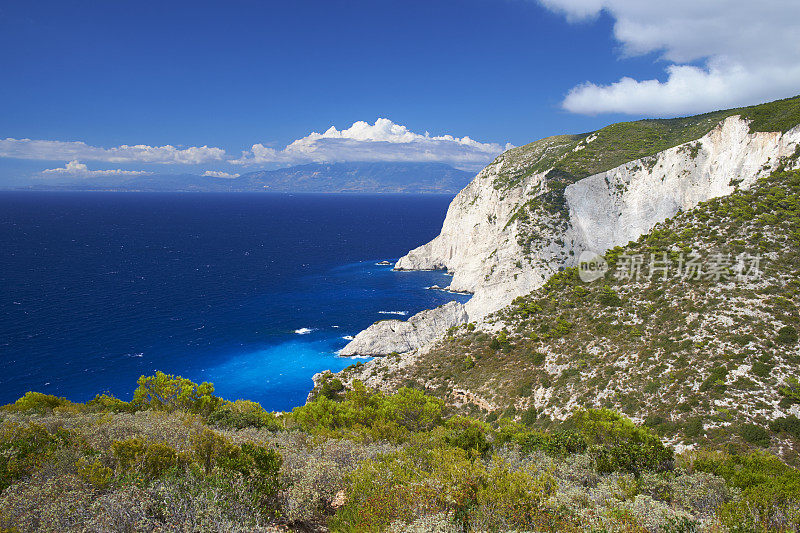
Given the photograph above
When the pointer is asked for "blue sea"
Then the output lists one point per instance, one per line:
(253, 292)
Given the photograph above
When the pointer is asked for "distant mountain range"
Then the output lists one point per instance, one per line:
(316, 177)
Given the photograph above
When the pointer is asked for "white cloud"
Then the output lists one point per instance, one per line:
(382, 141)
(219, 174)
(140, 153)
(80, 170)
(724, 53)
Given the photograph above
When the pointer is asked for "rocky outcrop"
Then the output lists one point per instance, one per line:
(498, 246)
(401, 336)
(482, 244)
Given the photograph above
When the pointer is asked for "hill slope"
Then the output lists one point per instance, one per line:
(703, 361)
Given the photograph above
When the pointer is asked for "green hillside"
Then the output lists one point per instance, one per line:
(574, 157)
(178, 458)
(705, 362)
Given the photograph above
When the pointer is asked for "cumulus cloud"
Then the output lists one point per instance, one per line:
(140, 153)
(80, 170)
(219, 174)
(719, 54)
(382, 141)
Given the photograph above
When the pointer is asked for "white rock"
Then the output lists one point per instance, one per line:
(387, 336)
(478, 242)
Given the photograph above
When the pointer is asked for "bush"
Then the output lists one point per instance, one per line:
(468, 434)
(165, 392)
(36, 401)
(609, 297)
(789, 424)
(618, 444)
(108, 403)
(331, 388)
(24, 448)
(209, 448)
(787, 335)
(94, 473)
(388, 417)
(790, 391)
(755, 434)
(151, 459)
(530, 416)
(243, 414)
(700, 493)
(694, 427)
(512, 499)
(46, 503)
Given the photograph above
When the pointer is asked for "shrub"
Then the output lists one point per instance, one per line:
(789, 424)
(413, 409)
(694, 427)
(790, 391)
(755, 434)
(242, 414)
(166, 392)
(435, 523)
(787, 335)
(700, 493)
(331, 388)
(209, 448)
(94, 473)
(108, 403)
(468, 434)
(36, 401)
(762, 369)
(530, 416)
(512, 499)
(618, 444)
(609, 297)
(715, 380)
(46, 503)
(151, 459)
(653, 515)
(25, 447)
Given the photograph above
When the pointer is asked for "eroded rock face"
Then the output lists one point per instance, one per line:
(479, 241)
(481, 245)
(387, 336)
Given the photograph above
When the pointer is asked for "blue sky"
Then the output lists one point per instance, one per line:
(211, 80)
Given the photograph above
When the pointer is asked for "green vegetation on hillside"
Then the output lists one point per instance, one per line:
(178, 458)
(574, 157)
(703, 362)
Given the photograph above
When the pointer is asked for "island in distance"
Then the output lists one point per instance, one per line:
(383, 177)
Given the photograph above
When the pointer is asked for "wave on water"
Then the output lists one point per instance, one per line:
(304, 331)
(401, 313)
(138, 354)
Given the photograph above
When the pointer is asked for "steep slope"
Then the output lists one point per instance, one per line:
(705, 356)
(534, 209)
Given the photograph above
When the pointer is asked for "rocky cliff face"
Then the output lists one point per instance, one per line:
(513, 227)
(481, 242)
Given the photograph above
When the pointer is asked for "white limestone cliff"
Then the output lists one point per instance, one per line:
(479, 242)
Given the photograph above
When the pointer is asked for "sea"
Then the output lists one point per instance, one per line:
(252, 292)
